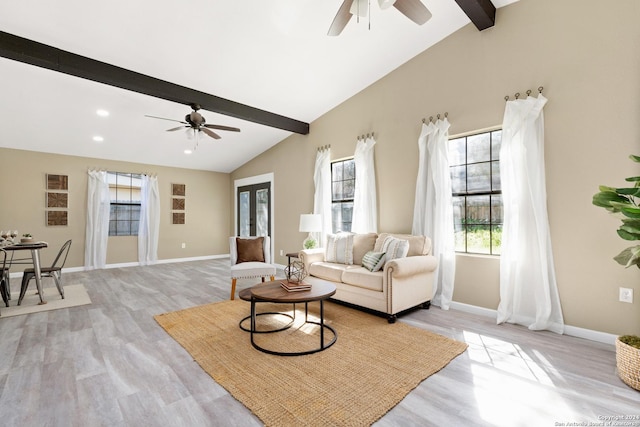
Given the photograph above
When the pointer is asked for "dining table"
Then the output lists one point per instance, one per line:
(34, 248)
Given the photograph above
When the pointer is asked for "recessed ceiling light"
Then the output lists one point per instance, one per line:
(102, 113)
(98, 138)
(188, 151)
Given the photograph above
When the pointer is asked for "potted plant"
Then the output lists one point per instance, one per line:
(26, 238)
(625, 203)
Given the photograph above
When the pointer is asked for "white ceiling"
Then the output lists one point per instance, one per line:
(270, 54)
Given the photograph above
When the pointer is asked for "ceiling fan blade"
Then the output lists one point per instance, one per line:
(414, 10)
(341, 19)
(220, 127)
(211, 133)
(176, 128)
(162, 118)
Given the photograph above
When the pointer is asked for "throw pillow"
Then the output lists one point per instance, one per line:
(373, 261)
(395, 248)
(339, 248)
(250, 250)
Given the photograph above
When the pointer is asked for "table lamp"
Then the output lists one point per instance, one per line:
(310, 223)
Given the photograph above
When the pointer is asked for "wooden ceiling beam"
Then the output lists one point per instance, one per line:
(481, 12)
(45, 56)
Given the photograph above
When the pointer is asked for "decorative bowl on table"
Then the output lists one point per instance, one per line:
(26, 239)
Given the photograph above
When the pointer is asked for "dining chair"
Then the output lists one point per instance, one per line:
(55, 271)
(250, 258)
(4, 278)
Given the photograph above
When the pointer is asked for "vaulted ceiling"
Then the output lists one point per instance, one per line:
(272, 57)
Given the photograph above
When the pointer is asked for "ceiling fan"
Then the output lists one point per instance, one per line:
(194, 123)
(412, 9)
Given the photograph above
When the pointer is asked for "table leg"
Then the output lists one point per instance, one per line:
(35, 255)
(321, 324)
(252, 328)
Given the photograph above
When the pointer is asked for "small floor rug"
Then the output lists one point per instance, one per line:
(73, 295)
(371, 368)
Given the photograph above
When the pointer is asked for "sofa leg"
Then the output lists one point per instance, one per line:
(426, 305)
(392, 318)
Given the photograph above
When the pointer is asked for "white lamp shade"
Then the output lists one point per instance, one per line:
(310, 223)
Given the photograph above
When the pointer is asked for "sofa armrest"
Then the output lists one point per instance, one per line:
(309, 256)
(410, 266)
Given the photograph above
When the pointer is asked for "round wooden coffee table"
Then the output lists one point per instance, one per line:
(274, 292)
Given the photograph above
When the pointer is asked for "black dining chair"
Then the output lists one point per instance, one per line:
(4, 278)
(55, 271)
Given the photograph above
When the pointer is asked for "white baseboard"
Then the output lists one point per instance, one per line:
(136, 264)
(573, 331)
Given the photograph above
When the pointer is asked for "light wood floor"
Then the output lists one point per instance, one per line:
(110, 364)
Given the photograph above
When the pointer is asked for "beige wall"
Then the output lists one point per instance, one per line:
(22, 190)
(587, 58)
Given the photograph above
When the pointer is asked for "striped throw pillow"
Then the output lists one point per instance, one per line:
(339, 248)
(373, 261)
(395, 248)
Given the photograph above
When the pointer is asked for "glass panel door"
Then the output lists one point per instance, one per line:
(254, 210)
(244, 217)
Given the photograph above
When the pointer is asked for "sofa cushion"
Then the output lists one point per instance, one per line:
(395, 248)
(250, 250)
(418, 245)
(339, 248)
(363, 278)
(373, 261)
(362, 243)
(327, 271)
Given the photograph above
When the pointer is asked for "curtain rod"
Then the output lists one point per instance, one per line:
(437, 118)
(517, 95)
(365, 136)
(324, 147)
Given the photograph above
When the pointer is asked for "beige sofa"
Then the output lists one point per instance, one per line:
(401, 284)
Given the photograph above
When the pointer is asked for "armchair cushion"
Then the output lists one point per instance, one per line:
(250, 250)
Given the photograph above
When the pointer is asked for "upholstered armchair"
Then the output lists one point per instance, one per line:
(250, 258)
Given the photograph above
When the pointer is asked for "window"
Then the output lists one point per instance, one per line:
(343, 184)
(477, 197)
(124, 215)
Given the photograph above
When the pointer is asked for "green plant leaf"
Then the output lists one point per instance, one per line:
(627, 234)
(629, 257)
(605, 199)
(630, 211)
(632, 222)
(633, 191)
(632, 179)
(634, 158)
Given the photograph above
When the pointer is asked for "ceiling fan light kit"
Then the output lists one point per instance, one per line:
(412, 9)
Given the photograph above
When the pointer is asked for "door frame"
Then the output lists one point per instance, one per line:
(257, 179)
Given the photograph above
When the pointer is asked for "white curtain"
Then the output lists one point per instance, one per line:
(322, 196)
(433, 210)
(97, 230)
(365, 206)
(528, 289)
(149, 227)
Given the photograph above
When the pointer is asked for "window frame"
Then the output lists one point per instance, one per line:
(342, 201)
(495, 221)
(115, 223)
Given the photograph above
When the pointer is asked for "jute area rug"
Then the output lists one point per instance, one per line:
(74, 295)
(371, 368)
